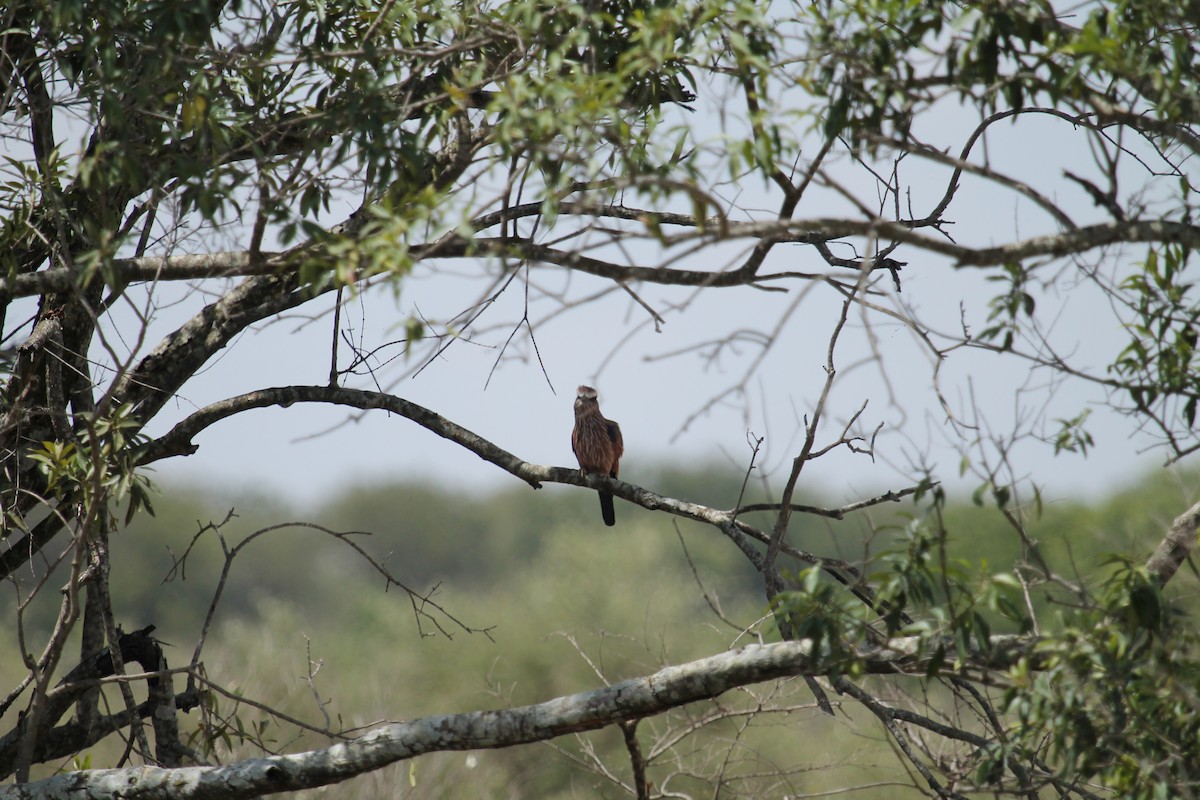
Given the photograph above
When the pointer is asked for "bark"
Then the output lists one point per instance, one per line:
(145, 269)
(628, 700)
(1175, 547)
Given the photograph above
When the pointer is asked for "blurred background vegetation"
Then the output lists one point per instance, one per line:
(555, 604)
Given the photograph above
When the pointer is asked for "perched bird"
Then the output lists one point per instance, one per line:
(597, 444)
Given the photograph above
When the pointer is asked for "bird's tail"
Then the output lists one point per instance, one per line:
(606, 509)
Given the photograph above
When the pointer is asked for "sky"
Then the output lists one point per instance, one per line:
(660, 384)
(308, 452)
(693, 390)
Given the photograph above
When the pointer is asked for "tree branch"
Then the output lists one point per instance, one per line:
(628, 700)
(1175, 547)
(160, 268)
(178, 441)
(1077, 240)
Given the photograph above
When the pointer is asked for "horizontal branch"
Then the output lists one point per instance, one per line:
(631, 699)
(890, 496)
(599, 209)
(816, 232)
(1076, 240)
(454, 245)
(146, 269)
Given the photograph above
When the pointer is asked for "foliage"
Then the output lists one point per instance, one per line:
(1113, 700)
(105, 460)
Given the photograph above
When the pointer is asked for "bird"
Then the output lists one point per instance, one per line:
(597, 444)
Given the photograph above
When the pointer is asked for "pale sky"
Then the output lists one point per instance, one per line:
(612, 344)
(307, 453)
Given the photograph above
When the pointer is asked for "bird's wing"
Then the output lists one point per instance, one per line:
(614, 436)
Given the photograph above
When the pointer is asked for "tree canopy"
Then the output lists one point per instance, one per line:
(271, 158)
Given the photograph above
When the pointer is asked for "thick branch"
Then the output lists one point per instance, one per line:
(177, 358)
(135, 270)
(1175, 547)
(631, 699)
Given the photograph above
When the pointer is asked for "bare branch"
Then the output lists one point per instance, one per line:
(178, 441)
(890, 496)
(628, 700)
(148, 268)
(1074, 241)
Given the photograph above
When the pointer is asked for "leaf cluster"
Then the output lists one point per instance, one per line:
(1160, 364)
(1114, 699)
(100, 466)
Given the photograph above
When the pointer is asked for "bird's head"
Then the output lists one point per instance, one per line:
(585, 398)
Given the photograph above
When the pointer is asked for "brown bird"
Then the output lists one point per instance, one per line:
(597, 444)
